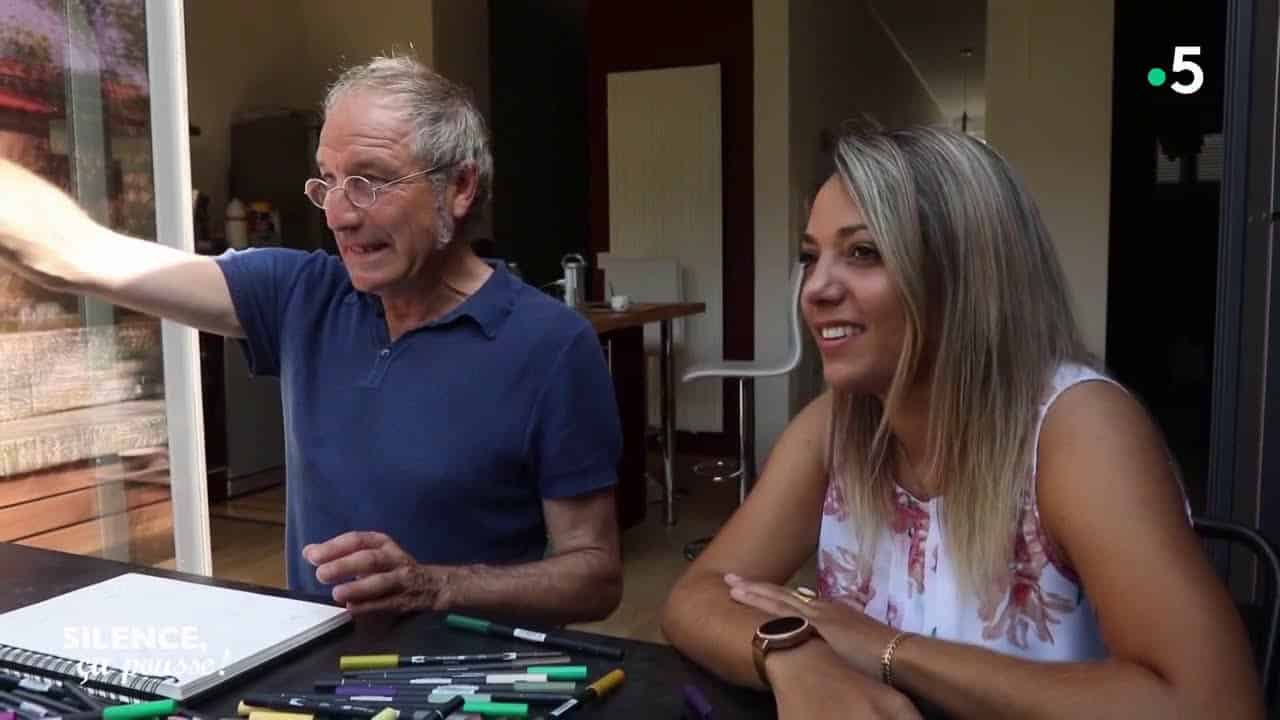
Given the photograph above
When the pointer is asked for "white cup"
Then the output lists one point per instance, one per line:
(619, 302)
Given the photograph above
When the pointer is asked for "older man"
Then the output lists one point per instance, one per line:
(443, 420)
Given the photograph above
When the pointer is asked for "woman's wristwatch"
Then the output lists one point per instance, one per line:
(778, 634)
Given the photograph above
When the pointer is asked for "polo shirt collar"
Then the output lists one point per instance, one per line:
(488, 307)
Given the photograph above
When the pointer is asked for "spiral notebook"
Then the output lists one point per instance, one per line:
(145, 636)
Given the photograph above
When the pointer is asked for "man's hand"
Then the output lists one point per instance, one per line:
(36, 217)
(370, 572)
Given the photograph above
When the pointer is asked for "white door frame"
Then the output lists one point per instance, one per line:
(171, 155)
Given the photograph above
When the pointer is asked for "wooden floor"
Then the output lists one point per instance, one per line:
(248, 545)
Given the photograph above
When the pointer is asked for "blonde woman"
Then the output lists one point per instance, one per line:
(999, 528)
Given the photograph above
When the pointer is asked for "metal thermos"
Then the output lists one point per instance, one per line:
(575, 279)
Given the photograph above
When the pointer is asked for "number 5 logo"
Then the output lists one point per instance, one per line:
(1180, 63)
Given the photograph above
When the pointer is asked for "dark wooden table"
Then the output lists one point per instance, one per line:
(655, 674)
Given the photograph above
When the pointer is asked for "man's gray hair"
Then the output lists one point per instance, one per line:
(448, 129)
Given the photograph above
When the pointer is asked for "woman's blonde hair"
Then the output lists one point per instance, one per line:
(989, 319)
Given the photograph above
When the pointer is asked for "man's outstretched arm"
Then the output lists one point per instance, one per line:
(48, 239)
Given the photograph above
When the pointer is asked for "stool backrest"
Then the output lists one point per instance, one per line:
(1264, 626)
(795, 321)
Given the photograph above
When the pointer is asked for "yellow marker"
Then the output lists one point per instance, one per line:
(353, 663)
(273, 715)
(261, 713)
(594, 691)
(387, 714)
(607, 683)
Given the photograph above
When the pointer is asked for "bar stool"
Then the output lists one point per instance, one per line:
(744, 373)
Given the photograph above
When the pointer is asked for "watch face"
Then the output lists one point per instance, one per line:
(783, 626)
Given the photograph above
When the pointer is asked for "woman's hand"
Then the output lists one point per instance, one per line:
(852, 635)
(812, 682)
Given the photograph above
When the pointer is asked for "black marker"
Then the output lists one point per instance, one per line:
(484, 627)
(307, 705)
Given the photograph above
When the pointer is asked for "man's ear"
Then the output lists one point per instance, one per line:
(464, 186)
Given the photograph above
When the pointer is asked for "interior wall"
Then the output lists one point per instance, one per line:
(340, 33)
(283, 58)
(460, 45)
(775, 220)
(460, 51)
(665, 201)
(233, 65)
(624, 37)
(842, 63)
(1049, 113)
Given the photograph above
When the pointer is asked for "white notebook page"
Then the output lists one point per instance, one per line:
(143, 624)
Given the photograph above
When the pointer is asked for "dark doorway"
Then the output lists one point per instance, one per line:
(538, 69)
(1167, 161)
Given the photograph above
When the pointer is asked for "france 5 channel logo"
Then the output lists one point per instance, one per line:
(1156, 77)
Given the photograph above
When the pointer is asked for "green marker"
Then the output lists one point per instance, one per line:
(560, 672)
(496, 709)
(129, 711)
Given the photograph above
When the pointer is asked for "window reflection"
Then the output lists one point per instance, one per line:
(83, 464)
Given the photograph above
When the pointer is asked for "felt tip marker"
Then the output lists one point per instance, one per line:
(496, 709)
(128, 711)
(262, 701)
(366, 694)
(529, 674)
(442, 712)
(552, 659)
(595, 690)
(383, 662)
(485, 627)
(503, 697)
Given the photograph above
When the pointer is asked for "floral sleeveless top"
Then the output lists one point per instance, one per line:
(1038, 612)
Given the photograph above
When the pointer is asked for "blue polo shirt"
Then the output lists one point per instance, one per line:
(447, 439)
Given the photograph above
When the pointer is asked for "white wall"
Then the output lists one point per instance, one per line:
(775, 221)
(1049, 114)
(817, 64)
(665, 200)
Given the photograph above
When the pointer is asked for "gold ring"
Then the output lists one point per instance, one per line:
(804, 594)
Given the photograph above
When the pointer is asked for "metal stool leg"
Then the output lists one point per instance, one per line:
(746, 454)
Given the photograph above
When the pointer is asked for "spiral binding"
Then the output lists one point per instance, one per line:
(109, 683)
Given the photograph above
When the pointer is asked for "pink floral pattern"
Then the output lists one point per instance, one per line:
(912, 519)
(907, 580)
(1027, 605)
(840, 578)
(834, 504)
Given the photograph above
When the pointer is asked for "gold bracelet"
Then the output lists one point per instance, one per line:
(886, 658)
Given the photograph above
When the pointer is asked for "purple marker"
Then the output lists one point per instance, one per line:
(8, 715)
(696, 703)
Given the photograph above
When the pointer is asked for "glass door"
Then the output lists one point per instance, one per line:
(89, 459)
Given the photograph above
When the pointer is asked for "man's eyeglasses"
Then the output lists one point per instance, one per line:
(360, 191)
